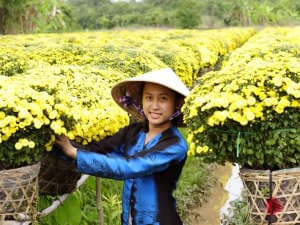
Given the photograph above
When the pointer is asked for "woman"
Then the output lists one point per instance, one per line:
(148, 154)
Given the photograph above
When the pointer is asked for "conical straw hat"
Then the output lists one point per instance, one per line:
(132, 88)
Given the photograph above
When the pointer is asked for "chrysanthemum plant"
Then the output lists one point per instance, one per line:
(249, 112)
(47, 102)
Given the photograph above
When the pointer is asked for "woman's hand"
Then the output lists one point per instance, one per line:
(66, 146)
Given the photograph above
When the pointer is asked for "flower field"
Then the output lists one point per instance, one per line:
(55, 84)
(243, 107)
(248, 111)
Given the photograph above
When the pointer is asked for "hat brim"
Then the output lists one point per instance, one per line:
(132, 89)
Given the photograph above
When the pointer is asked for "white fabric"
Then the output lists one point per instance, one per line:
(234, 188)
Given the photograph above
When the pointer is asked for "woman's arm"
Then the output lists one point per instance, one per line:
(111, 144)
(147, 162)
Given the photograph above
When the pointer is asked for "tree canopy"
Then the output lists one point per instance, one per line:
(24, 16)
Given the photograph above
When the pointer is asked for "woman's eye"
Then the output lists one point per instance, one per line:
(148, 98)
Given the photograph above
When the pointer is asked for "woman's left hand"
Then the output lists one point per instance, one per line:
(66, 146)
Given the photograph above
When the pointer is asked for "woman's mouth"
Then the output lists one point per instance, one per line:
(155, 115)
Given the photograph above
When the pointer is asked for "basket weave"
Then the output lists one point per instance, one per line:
(57, 176)
(19, 192)
(285, 187)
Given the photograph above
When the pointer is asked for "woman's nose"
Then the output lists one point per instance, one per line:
(155, 103)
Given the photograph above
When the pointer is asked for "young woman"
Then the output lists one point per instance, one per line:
(148, 154)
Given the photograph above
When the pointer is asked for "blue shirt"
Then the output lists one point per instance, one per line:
(150, 172)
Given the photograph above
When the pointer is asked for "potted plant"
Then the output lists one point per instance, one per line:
(34, 108)
(248, 113)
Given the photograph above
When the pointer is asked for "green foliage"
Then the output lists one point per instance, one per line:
(58, 18)
(71, 212)
(12, 158)
(11, 64)
(238, 213)
(33, 16)
(48, 16)
(194, 187)
(265, 145)
(184, 13)
(68, 213)
(80, 207)
(187, 14)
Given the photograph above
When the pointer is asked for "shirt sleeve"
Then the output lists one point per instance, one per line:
(120, 167)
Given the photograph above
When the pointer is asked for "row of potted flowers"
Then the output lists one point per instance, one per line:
(248, 113)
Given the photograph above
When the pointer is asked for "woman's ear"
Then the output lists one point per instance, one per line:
(179, 103)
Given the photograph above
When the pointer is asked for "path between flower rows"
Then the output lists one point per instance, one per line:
(209, 213)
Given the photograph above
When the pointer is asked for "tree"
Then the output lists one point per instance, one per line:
(188, 13)
(25, 16)
(93, 14)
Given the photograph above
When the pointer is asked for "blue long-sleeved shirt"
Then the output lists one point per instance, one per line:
(150, 172)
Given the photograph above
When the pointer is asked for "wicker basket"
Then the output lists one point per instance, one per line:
(19, 193)
(285, 188)
(57, 175)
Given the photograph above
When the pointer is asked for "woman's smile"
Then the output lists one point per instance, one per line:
(155, 115)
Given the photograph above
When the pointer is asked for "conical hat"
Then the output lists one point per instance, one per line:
(132, 88)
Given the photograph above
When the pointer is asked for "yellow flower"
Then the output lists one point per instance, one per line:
(202, 149)
(277, 81)
(235, 116)
(258, 110)
(251, 100)
(212, 121)
(193, 112)
(270, 101)
(192, 148)
(190, 137)
(18, 146)
(282, 104)
(199, 130)
(249, 114)
(293, 89)
(53, 114)
(31, 144)
(37, 123)
(4, 122)
(272, 94)
(2, 115)
(35, 109)
(57, 127)
(24, 141)
(71, 135)
(295, 103)
(23, 113)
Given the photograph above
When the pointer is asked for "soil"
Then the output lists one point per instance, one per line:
(209, 212)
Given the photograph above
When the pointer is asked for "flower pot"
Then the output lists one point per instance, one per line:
(285, 188)
(19, 193)
(58, 175)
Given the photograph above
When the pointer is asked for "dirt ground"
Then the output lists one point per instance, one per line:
(209, 213)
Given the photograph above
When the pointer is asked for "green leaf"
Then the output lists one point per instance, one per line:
(292, 160)
(69, 213)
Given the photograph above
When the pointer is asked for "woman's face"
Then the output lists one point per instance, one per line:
(158, 104)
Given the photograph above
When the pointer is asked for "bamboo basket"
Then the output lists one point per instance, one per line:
(19, 193)
(57, 175)
(285, 187)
